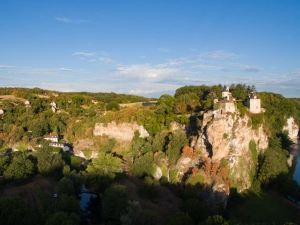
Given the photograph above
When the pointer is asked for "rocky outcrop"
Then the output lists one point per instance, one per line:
(85, 148)
(292, 129)
(225, 139)
(174, 126)
(120, 131)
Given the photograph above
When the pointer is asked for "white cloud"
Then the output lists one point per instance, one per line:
(219, 55)
(106, 59)
(94, 57)
(69, 20)
(6, 66)
(84, 54)
(65, 69)
(147, 71)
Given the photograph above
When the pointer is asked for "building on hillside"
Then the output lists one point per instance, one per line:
(226, 93)
(95, 102)
(1, 112)
(254, 103)
(53, 138)
(54, 107)
(227, 103)
(64, 147)
(27, 104)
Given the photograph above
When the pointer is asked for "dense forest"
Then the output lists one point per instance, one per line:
(42, 184)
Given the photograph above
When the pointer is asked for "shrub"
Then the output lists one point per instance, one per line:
(114, 106)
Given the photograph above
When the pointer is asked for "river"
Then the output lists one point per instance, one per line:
(85, 200)
(296, 174)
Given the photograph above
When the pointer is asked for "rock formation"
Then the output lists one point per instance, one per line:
(120, 131)
(292, 129)
(224, 140)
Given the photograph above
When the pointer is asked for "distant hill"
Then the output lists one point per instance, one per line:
(28, 93)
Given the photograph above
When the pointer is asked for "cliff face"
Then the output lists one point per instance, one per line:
(292, 129)
(120, 131)
(227, 142)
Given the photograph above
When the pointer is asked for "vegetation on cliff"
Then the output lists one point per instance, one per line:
(154, 180)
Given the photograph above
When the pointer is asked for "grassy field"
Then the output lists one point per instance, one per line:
(267, 208)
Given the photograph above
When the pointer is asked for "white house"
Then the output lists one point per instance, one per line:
(1, 112)
(53, 139)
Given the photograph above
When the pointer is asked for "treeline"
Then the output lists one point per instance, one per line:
(28, 93)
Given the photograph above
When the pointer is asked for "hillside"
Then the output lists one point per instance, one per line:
(191, 158)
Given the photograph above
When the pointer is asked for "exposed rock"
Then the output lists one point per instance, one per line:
(292, 129)
(176, 126)
(225, 139)
(120, 131)
(187, 161)
(85, 148)
(158, 173)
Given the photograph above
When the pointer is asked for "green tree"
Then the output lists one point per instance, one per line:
(144, 165)
(14, 211)
(4, 163)
(176, 141)
(20, 168)
(115, 202)
(65, 186)
(216, 220)
(39, 127)
(273, 164)
(136, 215)
(68, 204)
(49, 162)
(105, 165)
(166, 103)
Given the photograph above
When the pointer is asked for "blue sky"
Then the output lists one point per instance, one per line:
(149, 47)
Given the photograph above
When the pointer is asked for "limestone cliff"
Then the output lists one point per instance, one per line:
(292, 129)
(120, 131)
(227, 142)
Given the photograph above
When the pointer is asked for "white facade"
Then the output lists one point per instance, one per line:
(64, 147)
(1, 112)
(254, 104)
(226, 94)
(54, 139)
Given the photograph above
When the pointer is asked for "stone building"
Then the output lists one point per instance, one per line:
(227, 103)
(226, 94)
(254, 103)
